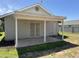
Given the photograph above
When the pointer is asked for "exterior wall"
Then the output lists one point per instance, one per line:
(24, 28)
(52, 28)
(10, 27)
(24, 25)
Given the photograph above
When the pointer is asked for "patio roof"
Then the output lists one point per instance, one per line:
(31, 17)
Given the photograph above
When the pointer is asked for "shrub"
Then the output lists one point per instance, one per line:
(1, 29)
(0, 34)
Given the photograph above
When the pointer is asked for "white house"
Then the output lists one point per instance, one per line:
(31, 25)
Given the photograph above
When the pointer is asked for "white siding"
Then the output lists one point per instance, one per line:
(52, 28)
(10, 27)
(32, 11)
(24, 28)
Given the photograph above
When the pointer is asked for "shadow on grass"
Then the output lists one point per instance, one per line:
(43, 49)
(58, 36)
(5, 43)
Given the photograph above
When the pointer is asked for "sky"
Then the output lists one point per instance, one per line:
(66, 8)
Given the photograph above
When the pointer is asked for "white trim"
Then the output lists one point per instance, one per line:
(62, 30)
(6, 14)
(16, 33)
(35, 30)
(44, 31)
(46, 10)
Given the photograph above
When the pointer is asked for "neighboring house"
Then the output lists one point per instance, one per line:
(31, 25)
(71, 26)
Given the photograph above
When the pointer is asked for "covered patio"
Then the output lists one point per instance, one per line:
(36, 40)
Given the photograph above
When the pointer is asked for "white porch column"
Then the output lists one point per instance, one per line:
(16, 33)
(44, 31)
(62, 30)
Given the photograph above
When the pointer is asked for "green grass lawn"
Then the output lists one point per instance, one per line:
(68, 53)
(69, 33)
(8, 52)
(42, 47)
(12, 52)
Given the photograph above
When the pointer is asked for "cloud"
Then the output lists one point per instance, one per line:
(4, 10)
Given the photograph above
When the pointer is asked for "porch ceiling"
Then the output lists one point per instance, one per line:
(42, 18)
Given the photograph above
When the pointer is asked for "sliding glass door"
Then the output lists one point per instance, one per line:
(35, 29)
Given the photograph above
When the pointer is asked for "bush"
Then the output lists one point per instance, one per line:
(0, 34)
(1, 29)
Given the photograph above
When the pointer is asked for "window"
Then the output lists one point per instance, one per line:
(37, 8)
(69, 25)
